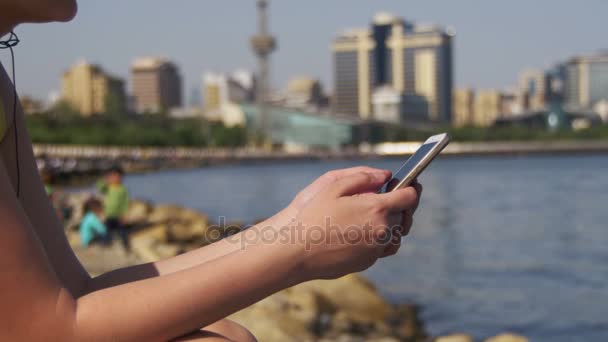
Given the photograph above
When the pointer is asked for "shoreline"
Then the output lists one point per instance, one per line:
(77, 165)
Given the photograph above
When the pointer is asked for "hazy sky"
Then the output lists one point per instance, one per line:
(494, 39)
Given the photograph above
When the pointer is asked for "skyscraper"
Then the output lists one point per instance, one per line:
(586, 80)
(488, 107)
(533, 90)
(464, 107)
(157, 85)
(414, 60)
(90, 90)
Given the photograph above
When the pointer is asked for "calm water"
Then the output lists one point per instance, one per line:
(517, 244)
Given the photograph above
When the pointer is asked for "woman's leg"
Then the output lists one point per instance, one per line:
(222, 331)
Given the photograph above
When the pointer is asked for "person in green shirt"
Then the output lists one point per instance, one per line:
(115, 203)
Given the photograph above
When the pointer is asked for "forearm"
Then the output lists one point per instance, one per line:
(164, 307)
(187, 260)
(168, 266)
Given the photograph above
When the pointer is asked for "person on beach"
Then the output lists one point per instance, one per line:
(92, 228)
(115, 204)
(47, 295)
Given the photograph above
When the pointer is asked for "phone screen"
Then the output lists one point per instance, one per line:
(409, 165)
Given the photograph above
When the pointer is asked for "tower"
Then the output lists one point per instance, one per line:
(263, 45)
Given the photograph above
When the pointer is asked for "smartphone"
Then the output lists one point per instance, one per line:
(414, 166)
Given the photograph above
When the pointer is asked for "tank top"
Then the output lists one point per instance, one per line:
(3, 123)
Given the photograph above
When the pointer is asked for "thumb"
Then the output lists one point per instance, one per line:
(358, 183)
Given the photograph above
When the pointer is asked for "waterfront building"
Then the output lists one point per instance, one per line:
(415, 60)
(488, 107)
(156, 84)
(220, 89)
(533, 90)
(586, 80)
(463, 107)
(303, 92)
(388, 105)
(88, 89)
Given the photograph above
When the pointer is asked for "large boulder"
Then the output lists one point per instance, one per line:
(138, 213)
(183, 225)
(278, 318)
(455, 338)
(507, 338)
(354, 295)
(346, 309)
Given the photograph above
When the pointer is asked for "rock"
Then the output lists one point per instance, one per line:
(507, 338)
(167, 213)
(139, 212)
(406, 323)
(157, 232)
(346, 309)
(187, 232)
(455, 338)
(271, 320)
(101, 259)
(184, 225)
(145, 248)
(354, 295)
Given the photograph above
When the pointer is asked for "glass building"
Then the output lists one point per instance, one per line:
(414, 60)
(586, 80)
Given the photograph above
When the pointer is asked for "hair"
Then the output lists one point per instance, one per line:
(47, 175)
(92, 204)
(116, 169)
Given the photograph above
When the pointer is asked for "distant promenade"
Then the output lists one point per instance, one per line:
(94, 159)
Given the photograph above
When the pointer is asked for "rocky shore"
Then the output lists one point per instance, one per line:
(347, 309)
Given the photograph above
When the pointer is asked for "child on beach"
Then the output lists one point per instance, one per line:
(115, 203)
(92, 228)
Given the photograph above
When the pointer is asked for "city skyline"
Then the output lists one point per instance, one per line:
(187, 38)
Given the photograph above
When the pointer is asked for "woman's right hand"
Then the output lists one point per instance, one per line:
(346, 227)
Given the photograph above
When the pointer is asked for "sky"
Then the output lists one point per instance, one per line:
(495, 40)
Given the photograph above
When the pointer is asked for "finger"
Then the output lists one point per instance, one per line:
(398, 200)
(358, 183)
(406, 222)
(419, 190)
(392, 248)
(335, 175)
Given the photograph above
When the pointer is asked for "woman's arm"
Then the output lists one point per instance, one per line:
(225, 246)
(36, 306)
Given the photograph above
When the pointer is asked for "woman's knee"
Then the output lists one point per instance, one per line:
(222, 331)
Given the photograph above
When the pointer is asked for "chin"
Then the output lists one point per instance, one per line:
(66, 11)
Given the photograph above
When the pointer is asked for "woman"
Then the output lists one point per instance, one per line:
(47, 295)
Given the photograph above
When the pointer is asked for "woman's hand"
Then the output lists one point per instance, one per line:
(346, 226)
(287, 215)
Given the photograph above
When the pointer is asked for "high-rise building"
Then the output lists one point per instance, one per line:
(586, 80)
(464, 107)
(220, 89)
(533, 90)
(304, 92)
(488, 107)
(414, 60)
(157, 85)
(89, 90)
